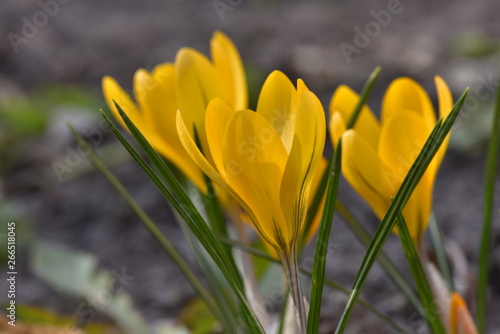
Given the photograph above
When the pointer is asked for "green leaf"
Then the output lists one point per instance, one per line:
(410, 182)
(419, 276)
(489, 194)
(330, 283)
(318, 196)
(186, 209)
(148, 223)
(76, 274)
(365, 92)
(439, 249)
(320, 251)
(385, 262)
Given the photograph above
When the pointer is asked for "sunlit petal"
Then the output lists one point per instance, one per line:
(401, 140)
(277, 104)
(258, 158)
(406, 94)
(306, 151)
(228, 64)
(114, 92)
(343, 102)
(366, 172)
(216, 118)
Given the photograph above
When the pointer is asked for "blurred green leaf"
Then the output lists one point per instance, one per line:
(76, 274)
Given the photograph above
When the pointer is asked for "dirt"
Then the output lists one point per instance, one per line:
(85, 40)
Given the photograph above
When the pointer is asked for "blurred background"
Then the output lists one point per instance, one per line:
(54, 53)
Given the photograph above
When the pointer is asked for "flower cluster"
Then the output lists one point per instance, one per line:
(269, 163)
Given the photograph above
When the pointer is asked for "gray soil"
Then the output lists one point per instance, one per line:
(86, 40)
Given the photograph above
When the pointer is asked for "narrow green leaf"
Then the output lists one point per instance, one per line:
(212, 207)
(365, 92)
(410, 182)
(419, 276)
(148, 223)
(313, 208)
(337, 286)
(186, 209)
(489, 191)
(387, 264)
(439, 249)
(320, 251)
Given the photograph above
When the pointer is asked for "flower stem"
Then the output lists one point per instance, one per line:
(291, 271)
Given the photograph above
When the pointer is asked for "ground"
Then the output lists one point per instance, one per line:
(81, 41)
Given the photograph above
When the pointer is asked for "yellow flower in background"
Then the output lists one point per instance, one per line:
(188, 84)
(460, 320)
(265, 159)
(376, 156)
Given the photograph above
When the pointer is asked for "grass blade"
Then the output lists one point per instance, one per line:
(148, 223)
(411, 180)
(313, 209)
(419, 276)
(389, 267)
(489, 191)
(320, 252)
(337, 286)
(186, 209)
(439, 249)
(365, 92)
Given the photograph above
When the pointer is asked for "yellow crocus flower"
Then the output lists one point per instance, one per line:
(460, 320)
(188, 84)
(265, 159)
(376, 156)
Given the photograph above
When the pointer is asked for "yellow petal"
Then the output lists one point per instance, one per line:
(306, 151)
(301, 87)
(445, 105)
(155, 94)
(277, 104)
(228, 64)
(315, 183)
(195, 153)
(461, 321)
(336, 127)
(113, 91)
(401, 140)
(406, 94)
(197, 84)
(258, 157)
(344, 101)
(366, 172)
(216, 118)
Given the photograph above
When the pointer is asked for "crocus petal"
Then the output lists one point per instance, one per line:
(304, 157)
(277, 104)
(114, 92)
(216, 118)
(258, 157)
(194, 152)
(315, 183)
(366, 172)
(344, 101)
(155, 94)
(197, 84)
(401, 140)
(228, 64)
(336, 128)
(445, 105)
(406, 94)
(460, 319)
